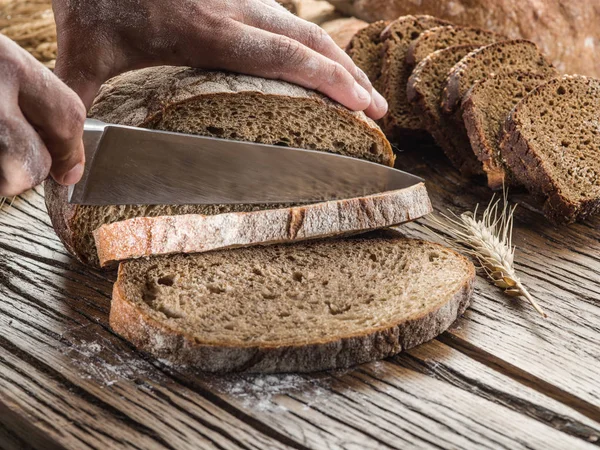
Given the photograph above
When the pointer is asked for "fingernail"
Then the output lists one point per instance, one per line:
(73, 175)
(361, 92)
(380, 102)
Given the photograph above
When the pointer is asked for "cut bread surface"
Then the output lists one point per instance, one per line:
(213, 104)
(494, 59)
(440, 38)
(301, 307)
(400, 121)
(194, 233)
(552, 146)
(485, 109)
(366, 49)
(424, 92)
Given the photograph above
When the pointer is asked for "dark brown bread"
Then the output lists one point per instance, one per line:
(567, 31)
(424, 92)
(195, 233)
(551, 144)
(302, 307)
(448, 36)
(484, 111)
(494, 59)
(400, 121)
(213, 104)
(366, 48)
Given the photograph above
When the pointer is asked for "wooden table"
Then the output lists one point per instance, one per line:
(501, 378)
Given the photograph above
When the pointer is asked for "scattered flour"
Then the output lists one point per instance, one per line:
(266, 393)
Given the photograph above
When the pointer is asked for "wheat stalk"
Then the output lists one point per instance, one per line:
(489, 240)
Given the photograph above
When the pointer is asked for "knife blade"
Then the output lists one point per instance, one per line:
(129, 166)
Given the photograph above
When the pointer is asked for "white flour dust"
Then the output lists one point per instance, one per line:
(269, 393)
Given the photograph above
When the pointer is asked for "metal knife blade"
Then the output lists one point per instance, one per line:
(128, 166)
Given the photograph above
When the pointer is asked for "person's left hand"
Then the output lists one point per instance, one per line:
(98, 39)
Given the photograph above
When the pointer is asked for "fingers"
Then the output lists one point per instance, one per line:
(279, 21)
(270, 55)
(58, 115)
(24, 159)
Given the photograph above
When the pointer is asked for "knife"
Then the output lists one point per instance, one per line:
(129, 166)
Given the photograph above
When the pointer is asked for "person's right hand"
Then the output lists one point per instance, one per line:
(41, 124)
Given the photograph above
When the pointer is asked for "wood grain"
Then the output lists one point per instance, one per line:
(501, 378)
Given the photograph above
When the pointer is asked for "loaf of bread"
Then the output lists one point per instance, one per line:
(219, 105)
(302, 307)
(551, 145)
(566, 31)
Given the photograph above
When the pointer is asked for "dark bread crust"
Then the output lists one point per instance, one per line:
(158, 339)
(528, 167)
(62, 215)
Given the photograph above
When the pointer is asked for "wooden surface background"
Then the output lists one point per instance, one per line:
(502, 377)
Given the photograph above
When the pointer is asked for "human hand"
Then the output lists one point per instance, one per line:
(99, 39)
(41, 124)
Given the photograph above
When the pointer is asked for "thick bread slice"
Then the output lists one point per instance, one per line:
(366, 48)
(552, 146)
(494, 59)
(449, 36)
(301, 307)
(485, 108)
(213, 104)
(424, 91)
(194, 233)
(400, 121)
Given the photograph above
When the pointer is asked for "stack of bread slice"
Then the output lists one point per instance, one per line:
(465, 87)
(187, 294)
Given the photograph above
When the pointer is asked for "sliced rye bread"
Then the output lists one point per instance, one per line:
(485, 108)
(213, 104)
(448, 36)
(494, 59)
(400, 121)
(552, 146)
(366, 49)
(301, 307)
(195, 233)
(424, 92)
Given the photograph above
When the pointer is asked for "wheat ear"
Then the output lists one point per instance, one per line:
(489, 240)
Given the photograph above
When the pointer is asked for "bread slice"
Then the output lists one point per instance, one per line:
(424, 91)
(194, 233)
(552, 146)
(400, 121)
(302, 307)
(494, 59)
(485, 108)
(212, 104)
(448, 36)
(366, 48)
